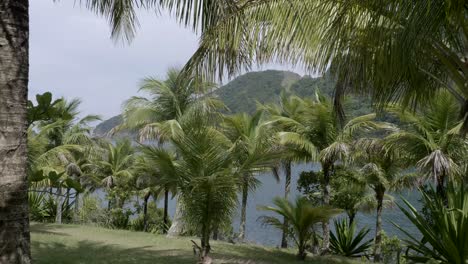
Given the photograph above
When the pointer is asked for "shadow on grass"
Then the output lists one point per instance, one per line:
(251, 254)
(47, 229)
(85, 252)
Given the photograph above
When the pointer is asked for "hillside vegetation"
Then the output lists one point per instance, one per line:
(74, 244)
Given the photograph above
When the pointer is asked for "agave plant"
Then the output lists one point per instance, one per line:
(445, 240)
(345, 243)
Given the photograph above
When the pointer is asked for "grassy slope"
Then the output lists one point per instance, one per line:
(73, 244)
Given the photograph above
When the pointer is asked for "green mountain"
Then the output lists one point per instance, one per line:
(242, 93)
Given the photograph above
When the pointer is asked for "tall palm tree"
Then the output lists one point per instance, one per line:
(253, 151)
(302, 217)
(316, 134)
(431, 136)
(206, 177)
(168, 100)
(288, 107)
(115, 169)
(382, 170)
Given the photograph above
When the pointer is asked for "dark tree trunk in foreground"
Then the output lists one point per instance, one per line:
(379, 195)
(166, 215)
(287, 190)
(440, 188)
(326, 201)
(14, 221)
(145, 211)
(245, 193)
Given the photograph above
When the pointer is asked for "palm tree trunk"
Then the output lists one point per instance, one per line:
(58, 214)
(326, 201)
(287, 189)
(165, 215)
(177, 226)
(440, 185)
(380, 192)
(245, 193)
(145, 211)
(14, 73)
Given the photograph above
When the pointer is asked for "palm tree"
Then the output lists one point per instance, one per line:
(14, 35)
(316, 134)
(115, 169)
(302, 217)
(382, 172)
(66, 140)
(288, 107)
(431, 137)
(204, 170)
(168, 100)
(253, 151)
(159, 163)
(394, 51)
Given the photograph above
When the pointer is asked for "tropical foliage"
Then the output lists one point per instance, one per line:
(302, 216)
(445, 239)
(345, 242)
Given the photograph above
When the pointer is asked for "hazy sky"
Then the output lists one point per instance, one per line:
(72, 55)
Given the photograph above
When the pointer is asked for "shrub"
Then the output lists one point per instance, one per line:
(118, 218)
(391, 249)
(37, 209)
(446, 239)
(345, 242)
(91, 212)
(155, 220)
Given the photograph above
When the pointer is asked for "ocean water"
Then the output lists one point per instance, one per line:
(269, 188)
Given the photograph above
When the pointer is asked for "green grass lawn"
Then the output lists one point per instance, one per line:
(75, 244)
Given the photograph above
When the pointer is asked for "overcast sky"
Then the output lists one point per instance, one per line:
(71, 55)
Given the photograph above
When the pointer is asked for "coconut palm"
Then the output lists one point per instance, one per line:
(382, 170)
(288, 107)
(168, 100)
(66, 141)
(395, 51)
(115, 169)
(204, 170)
(431, 137)
(158, 164)
(253, 151)
(302, 216)
(316, 134)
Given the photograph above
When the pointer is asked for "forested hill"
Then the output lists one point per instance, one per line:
(242, 93)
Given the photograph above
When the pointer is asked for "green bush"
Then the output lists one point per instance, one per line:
(391, 249)
(155, 220)
(345, 242)
(43, 208)
(118, 218)
(446, 239)
(91, 212)
(37, 209)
